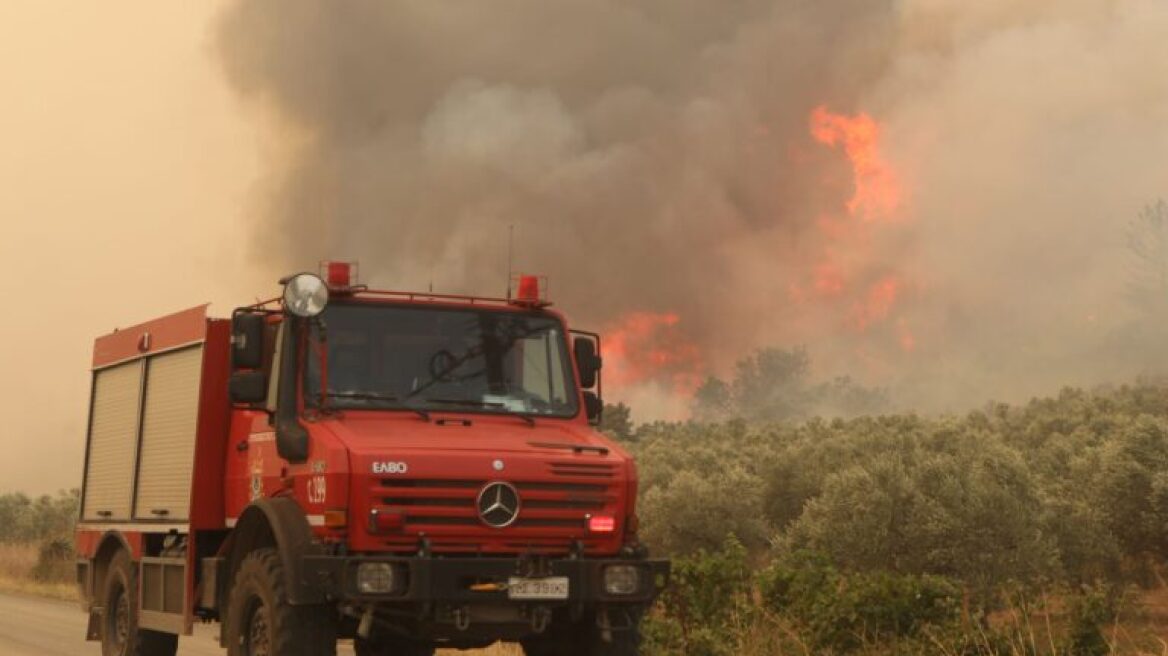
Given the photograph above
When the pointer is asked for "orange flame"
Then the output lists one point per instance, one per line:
(878, 193)
(644, 347)
(849, 278)
(877, 303)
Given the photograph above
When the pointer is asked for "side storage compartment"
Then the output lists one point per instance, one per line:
(158, 406)
(169, 425)
(113, 438)
(164, 598)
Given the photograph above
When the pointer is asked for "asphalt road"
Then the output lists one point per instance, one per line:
(30, 626)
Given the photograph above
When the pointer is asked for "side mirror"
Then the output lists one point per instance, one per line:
(248, 387)
(587, 360)
(292, 439)
(594, 407)
(247, 341)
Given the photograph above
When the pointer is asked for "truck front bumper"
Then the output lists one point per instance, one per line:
(483, 581)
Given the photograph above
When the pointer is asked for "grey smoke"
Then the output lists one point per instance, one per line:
(654, 155)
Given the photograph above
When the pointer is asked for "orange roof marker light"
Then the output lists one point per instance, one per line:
(531, 291)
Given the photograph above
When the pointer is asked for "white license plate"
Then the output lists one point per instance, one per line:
(553, 587)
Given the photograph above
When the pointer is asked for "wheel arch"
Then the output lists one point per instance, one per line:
(281, 524)
(110, 544)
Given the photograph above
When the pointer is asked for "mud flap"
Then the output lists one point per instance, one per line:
(93, 631)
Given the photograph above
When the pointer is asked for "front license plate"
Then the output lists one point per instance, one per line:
(553, 587)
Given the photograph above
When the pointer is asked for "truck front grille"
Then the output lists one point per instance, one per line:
(553, 514)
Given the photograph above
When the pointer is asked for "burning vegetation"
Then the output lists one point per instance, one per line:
(849, 282)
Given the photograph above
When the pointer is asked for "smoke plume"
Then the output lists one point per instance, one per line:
(930, 194)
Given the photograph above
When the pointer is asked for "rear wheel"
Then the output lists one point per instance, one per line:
(120, 635)
(261, 622)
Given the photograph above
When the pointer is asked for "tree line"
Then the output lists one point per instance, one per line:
(40, 519)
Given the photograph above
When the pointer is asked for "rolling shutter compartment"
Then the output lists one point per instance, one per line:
(169, 425)
(113, 438)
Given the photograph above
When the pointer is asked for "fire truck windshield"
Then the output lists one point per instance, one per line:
(439, 359)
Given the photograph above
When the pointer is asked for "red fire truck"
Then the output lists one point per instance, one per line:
(410, 471)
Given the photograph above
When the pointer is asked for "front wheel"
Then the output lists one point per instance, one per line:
(261, 622)
(585, 638)
(120, 635)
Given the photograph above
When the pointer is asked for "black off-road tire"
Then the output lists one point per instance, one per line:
(584, 639)
(120, 635)
(260, 621)
(391, 647)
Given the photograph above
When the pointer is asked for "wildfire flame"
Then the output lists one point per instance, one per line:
(866, 289)
(877, 303)
(643, 347)
(849, 278)
(878, 192)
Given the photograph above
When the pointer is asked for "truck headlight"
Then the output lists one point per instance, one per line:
(305, 295)
(376, 578)
(621, 579)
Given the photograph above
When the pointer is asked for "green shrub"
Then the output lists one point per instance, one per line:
(844, 612)
(1094, 609)
(708, 603)
(695, 512)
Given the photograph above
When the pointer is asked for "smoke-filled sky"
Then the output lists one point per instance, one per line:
(932, 195)
(662, 162)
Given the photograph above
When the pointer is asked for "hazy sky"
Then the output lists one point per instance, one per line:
(126, 169)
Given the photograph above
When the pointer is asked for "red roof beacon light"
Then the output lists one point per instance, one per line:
(340, 275)
(528, 289)
(531, 290)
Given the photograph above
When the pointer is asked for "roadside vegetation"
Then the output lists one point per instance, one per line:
(1009, 530)
(36, 544)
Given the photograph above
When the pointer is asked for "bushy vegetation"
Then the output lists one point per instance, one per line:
(25, 519)
(36, 542)
(905, 530)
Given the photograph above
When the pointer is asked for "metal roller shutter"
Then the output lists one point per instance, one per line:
(169, 424)
(113, 438)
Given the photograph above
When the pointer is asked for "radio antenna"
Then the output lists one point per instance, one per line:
(510, 256)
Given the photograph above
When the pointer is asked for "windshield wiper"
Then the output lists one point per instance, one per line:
(361, 396)
(472, 403)
(377, 396)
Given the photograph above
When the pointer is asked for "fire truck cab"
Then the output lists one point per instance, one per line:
(409, 471)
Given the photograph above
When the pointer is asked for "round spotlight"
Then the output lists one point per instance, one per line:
(305, 295)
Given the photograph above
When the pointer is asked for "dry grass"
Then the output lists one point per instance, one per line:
(16, 565)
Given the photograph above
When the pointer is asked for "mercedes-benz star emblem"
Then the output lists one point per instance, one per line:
(498, 504)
